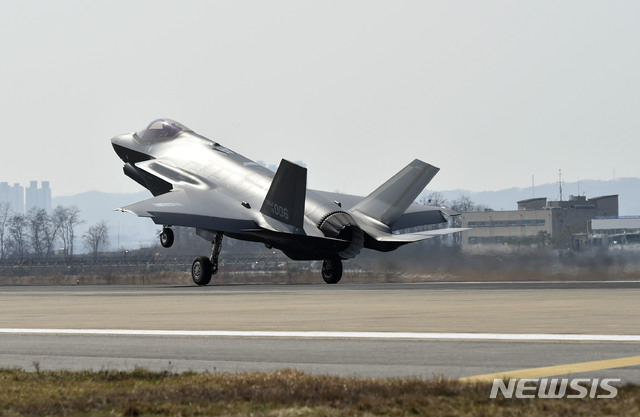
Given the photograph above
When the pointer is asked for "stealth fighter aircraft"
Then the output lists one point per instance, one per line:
(197, 182)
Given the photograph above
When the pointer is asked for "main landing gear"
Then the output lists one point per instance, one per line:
(332, 270)
(204, 268)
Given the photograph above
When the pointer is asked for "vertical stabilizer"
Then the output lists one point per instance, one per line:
(389, 201)
(286, 196)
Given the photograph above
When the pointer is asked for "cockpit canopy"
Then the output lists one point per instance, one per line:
(161, 129)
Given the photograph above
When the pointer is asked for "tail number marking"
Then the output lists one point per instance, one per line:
(278, 210)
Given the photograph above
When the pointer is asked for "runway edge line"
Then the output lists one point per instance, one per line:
(334, 335)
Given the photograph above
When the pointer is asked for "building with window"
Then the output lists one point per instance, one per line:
(612, 231)
(39, 198)
(21, 201)
(537, 222)
(13, 195)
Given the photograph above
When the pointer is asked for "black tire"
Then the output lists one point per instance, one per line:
(201, 270)
(331, 271)
(166, 237)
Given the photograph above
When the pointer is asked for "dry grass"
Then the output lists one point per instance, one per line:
(307, 277)
(283, 393)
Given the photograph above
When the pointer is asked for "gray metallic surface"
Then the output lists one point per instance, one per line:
(216, 189)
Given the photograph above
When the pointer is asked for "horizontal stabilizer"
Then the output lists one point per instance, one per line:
(387, 203)
(418, 215)
(286, 197)
(385, 242)
(418, 236)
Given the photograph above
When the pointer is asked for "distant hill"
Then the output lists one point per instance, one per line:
(132, 232)
(628, 190)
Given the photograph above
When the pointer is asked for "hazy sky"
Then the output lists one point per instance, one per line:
(492, 92)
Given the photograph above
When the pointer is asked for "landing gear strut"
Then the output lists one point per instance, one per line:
(216, 247)
(332, 270)
(204, 268)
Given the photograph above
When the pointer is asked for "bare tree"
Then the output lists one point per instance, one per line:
(464, 204)
(97, 238)
(435, 198)
(59, 218)
(66, 219)
(48, 232)
(73, 220)
(18, 234)
(37, 220)
(5, 217)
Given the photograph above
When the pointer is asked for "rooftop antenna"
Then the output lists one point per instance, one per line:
(533, 186)
(560, 182)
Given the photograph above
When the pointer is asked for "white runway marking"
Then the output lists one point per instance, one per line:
(335, 335)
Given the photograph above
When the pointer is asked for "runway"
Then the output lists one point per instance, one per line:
(456, 330)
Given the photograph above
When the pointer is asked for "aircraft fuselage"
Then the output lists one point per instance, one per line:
(219, 168)
(199, 183)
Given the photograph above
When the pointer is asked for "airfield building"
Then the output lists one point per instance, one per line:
(537, 222)
(615, 231)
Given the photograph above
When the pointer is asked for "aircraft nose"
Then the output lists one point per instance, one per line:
(119, 140)
(122, 145)
(128, 149)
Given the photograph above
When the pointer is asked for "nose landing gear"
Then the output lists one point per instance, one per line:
(166, 237)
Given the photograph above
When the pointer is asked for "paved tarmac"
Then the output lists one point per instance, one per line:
(597, 309)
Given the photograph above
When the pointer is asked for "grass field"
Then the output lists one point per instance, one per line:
(283, 393)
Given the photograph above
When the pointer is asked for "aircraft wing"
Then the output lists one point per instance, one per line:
(194, 208)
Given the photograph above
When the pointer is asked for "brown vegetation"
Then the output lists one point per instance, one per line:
(426, 263)
(305, 277)
(282, 393)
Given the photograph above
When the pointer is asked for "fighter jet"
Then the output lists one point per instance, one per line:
(197, 182)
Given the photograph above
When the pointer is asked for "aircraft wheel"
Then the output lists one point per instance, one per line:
(331, 271)
(166, 237)
(201, 270)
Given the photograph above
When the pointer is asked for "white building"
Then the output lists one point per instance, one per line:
(39, 198)
(14, 195)
(614, 231)
(21, 201)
